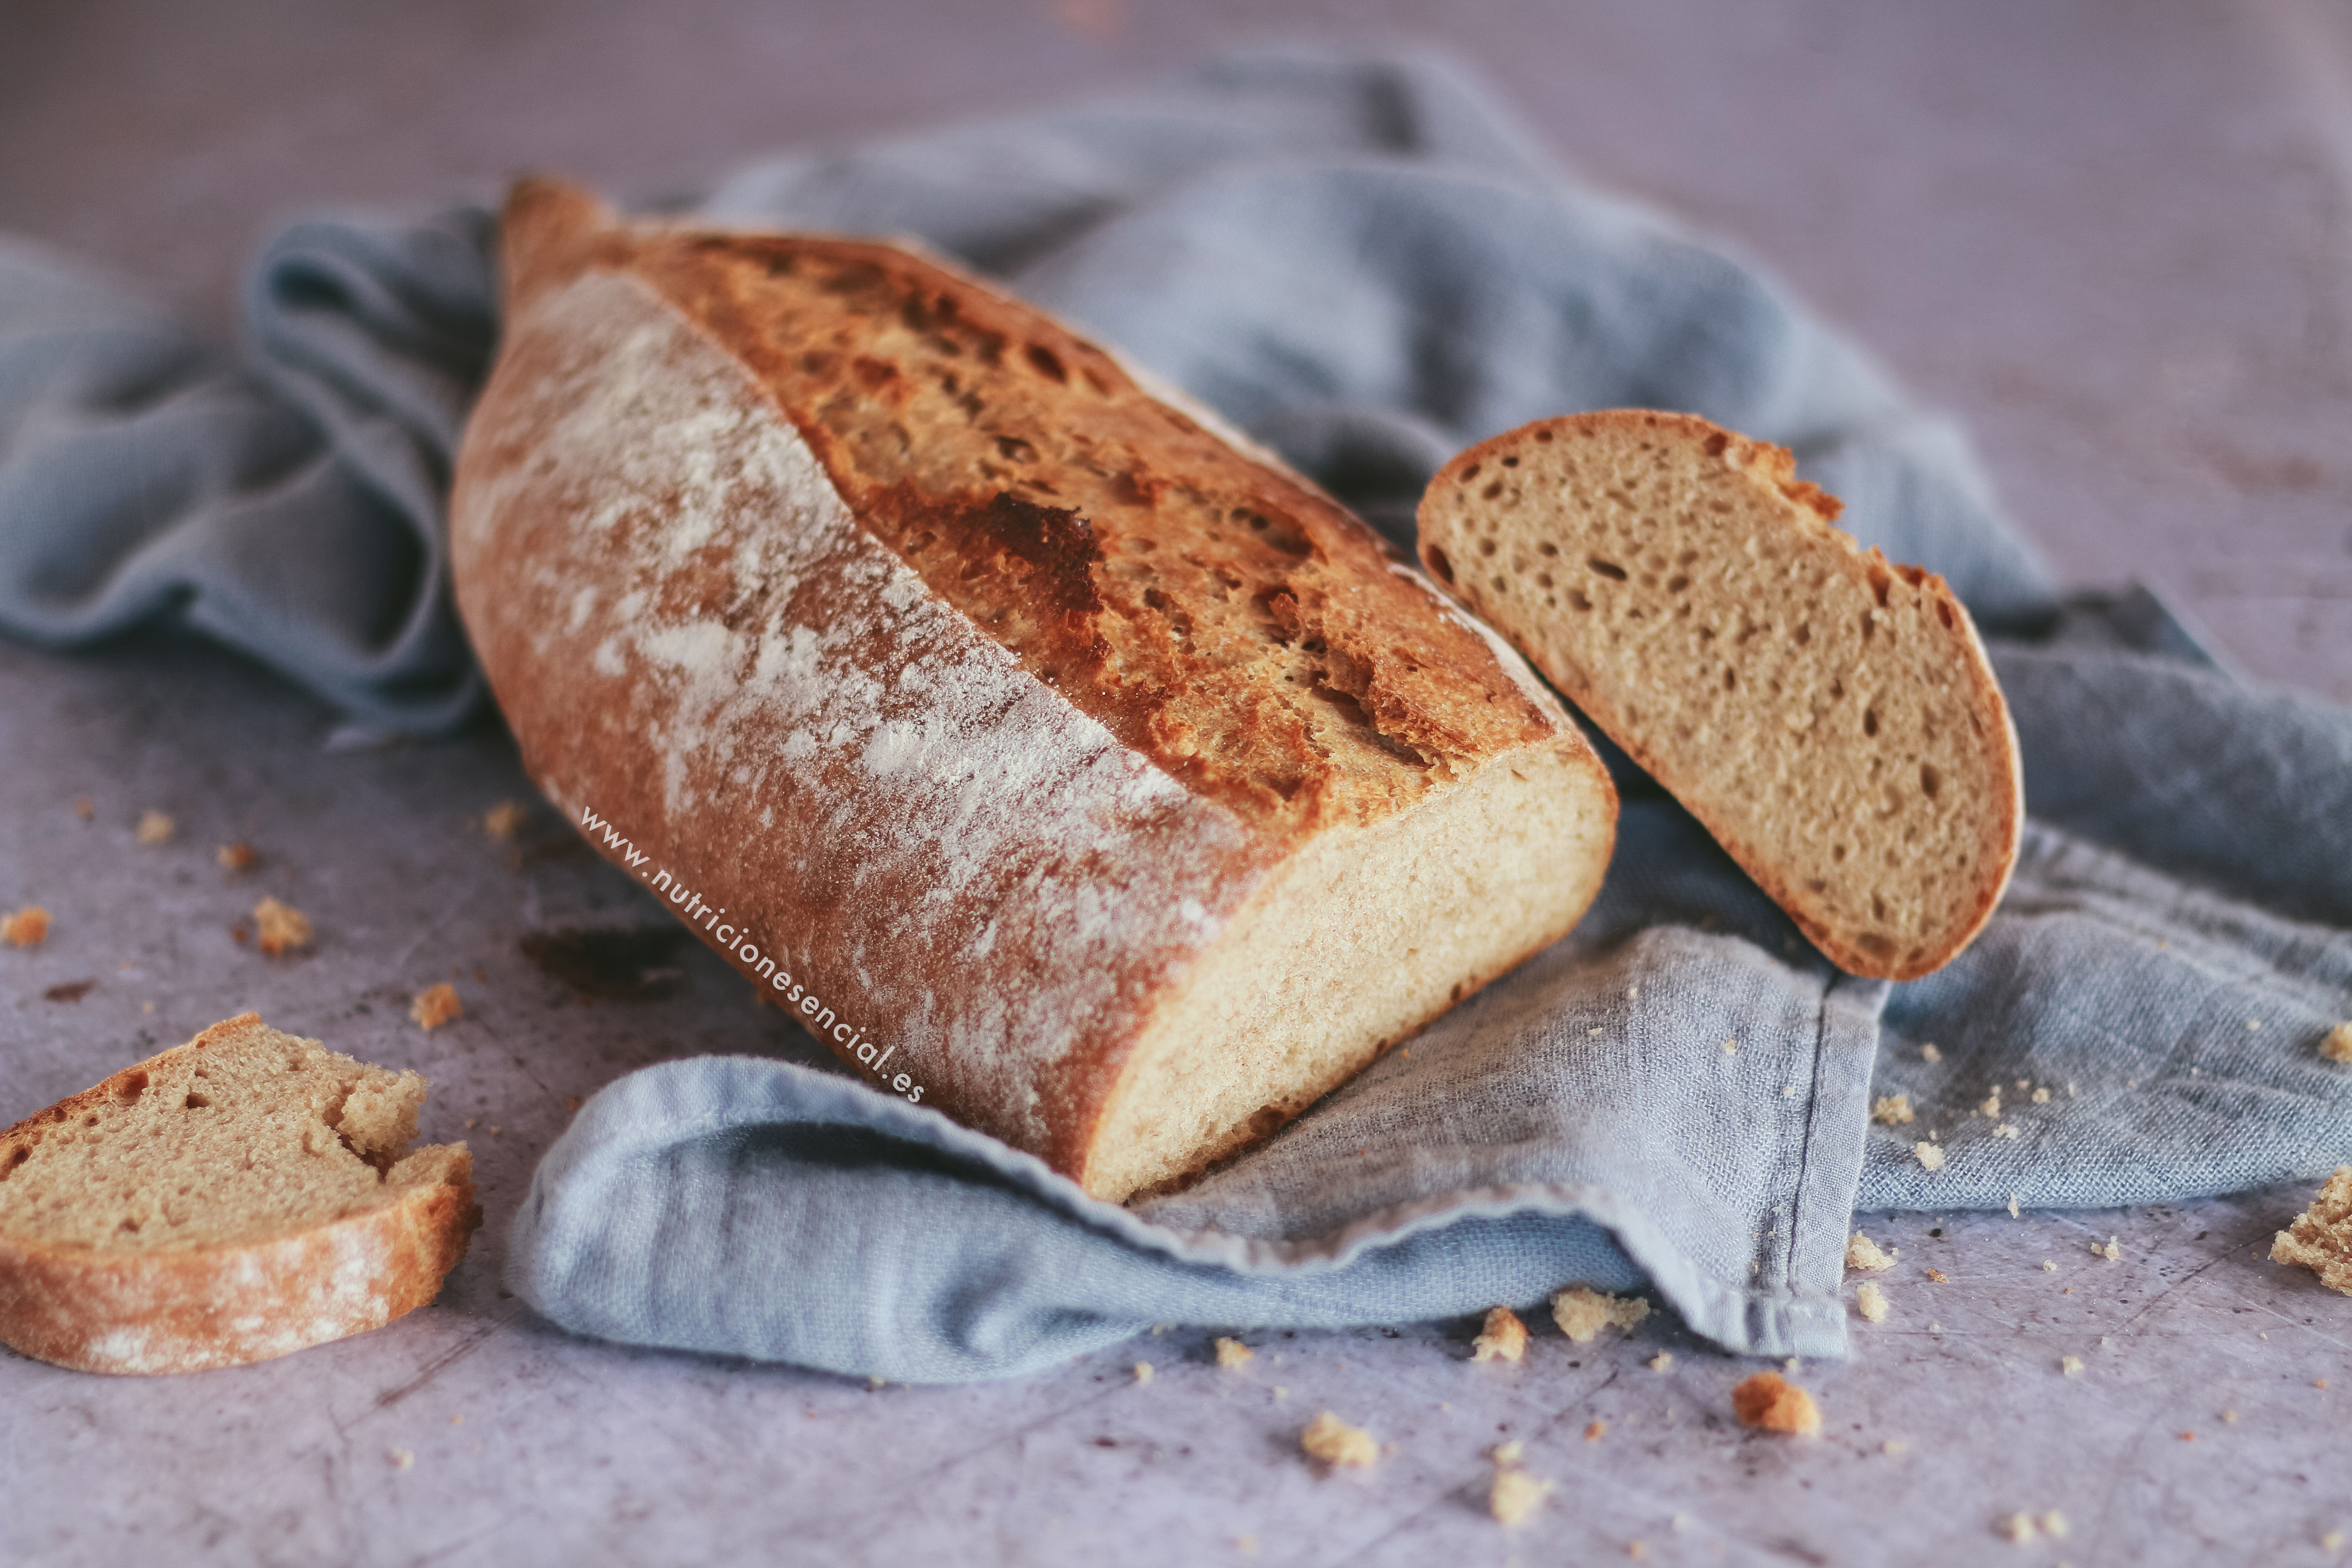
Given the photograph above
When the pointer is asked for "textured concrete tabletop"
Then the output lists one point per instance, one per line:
(2116, 237)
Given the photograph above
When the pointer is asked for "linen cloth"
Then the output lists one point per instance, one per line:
(1365, 263)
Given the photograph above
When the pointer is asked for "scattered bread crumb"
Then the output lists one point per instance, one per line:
(2337, 1046)
(2049, 1266)
(2053, 1525)
(1505, 1338)
(1337, 1444)
(146, 1006)
(2113, 1252)
(2012, 1205)
(154, 828)
(2231, 1416)
(1245, 1543)
(1991, 1106)
(1771, 1402)
(1863, 1253)
(2041, 1096)
(1894, 1447)
(1515, 1495)
(436, 1006)
(458, 1419)
(85, 808)
(1892, 1110)
(1662, 1361)
(1935, 1327)
(2018, 1528)
(1871, 1302)
(2332, 1542)
(28, 927)
(1637, 1549)
(1581, 1313)
(282, 926)
(2006, 1130)
(1930, 1054)
(1595, 1430)
(402, 1459)
(1142, 1369)
(502, 819)
(1938, 1276)
(2070, 1365)
(236, 856)
(1931, 1156)
(1233, 1353)
(1508, 1453)
(1729, 1045)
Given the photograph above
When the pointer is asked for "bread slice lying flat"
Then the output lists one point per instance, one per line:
(233, 1199)
(1830, 717)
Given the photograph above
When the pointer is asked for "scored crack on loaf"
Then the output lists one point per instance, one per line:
(1831, 717)
(1111, 779)
(238, 1198)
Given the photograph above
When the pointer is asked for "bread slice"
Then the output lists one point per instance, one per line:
(1830, 717)
(1060, 760)
(233, 1199)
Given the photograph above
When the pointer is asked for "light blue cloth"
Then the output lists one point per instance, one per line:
(1369, 266)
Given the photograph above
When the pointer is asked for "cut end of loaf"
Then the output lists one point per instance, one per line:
(236, 1198)
(1358, 942)
(1831, 717)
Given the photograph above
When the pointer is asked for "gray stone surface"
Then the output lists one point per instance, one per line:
(2116, 235)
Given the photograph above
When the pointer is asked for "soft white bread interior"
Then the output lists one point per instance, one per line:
(236, 1198)
(1830, 716)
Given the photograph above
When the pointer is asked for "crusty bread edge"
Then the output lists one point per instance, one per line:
(1811, 510)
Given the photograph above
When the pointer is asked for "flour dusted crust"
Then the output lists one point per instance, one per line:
(1829, 715)
(199, 1211)
(1112, 776)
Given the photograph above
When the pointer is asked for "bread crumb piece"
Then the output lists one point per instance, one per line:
(1930, 1054)
(1143, 1372)
(236, 856)
(1581, 1313)
(2070, 1365)
(2333, 1541)
(85, 808)
(1508, 1453)
(2231, 1416)
(1233, 1353)
(1280, 1392)
(1892, 1110)
(2049, 1266)
(1771, 1402)
(1515, 1495)
(1729, 1045)
(1637, 1549)
(1505, 1338)
(2112, 1252)
(458, 1419)
(1894, 1447)
(154, 828)
(2041, 1096)
(28, 927)
(2012, 1205)
(146, 1006)
(1863, 1253)
(1931, 1155)
(402, 1459)
(1935, 1327)
(1339, 1444)
(2337, 1046)
(502, 820)
(1991, 1106)
(435, 1007)
(1938, 1276)
(282, 926)
(2006, 1130)
(2018, 1528)
(1662, 1361)
(1596, 1430)
(1871, 1302)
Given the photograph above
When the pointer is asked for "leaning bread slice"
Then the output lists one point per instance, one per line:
(236, 1198)
(1830, 717)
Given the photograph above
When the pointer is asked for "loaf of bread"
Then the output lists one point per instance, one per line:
(1055, 757)
(1829, 716)
(233, 1199)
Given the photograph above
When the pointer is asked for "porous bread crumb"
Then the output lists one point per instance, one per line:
(2320, 1239)
(436, 1006)
(2053, 1525)
(1930, 1054)
(2070, 1365)
(2337, 1046)
(2049, 1266)
(1771, 1402)
(1938, 1275)
(1931, 1155)
(2041, 1096)
(1662, 1361)
(2018, 1528)
(154, 828)
(1581, 1313)
(1233, 1353)
(1935, 1327)
(1991, 1106)
(282, 926)
(85, 808)
(1337, 1444)
(2006, 1130)
(1515, 1495)
(2012, 1205)
(502, 820)
(1143, 1371)
(1871, 1302)
(1863, 1253)
(1892, 1110)
(28, 927)
(1505, 1338)
(236, 856)
(1729, 1045)
(1595, 1430)
(1508, 1453)
(2112, 1252)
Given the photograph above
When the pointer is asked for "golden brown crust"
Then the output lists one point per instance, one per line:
(190, 1308)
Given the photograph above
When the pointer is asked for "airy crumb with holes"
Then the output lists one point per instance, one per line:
(1931, 1155)
(282, 926)
(28, 927)
(1893, 1111)
(1337, 1444)
(1504, 1338)
(435, 1006)
(1771, 1402)
(1581, 1313)
(2337, 1046)
(1871, 1302)
(1863, 1253)
(2113, 1252)
(2320, 1239)
(1233, 1353)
